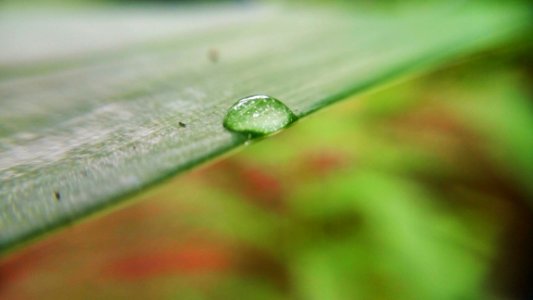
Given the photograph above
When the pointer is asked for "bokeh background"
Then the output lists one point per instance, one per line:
(419, 190)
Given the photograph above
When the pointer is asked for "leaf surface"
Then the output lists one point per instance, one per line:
(98, 105)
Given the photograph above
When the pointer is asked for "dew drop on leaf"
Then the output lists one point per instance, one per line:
(258, 115)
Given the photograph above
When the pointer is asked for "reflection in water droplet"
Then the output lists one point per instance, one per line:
(258, 115)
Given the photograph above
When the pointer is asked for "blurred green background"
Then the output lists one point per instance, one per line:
(420, 190)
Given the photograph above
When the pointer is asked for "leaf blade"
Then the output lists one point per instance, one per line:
(95, 126)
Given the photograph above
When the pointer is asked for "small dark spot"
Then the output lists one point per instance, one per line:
(134, 147)
(57, 195)
(84, 173)
(182, 125)
(213, 55)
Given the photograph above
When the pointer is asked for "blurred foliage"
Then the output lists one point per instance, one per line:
(67, 3)
(417, 191)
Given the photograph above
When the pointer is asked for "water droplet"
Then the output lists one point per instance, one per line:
(258, 115)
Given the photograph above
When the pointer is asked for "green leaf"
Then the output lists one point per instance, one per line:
(98, 105)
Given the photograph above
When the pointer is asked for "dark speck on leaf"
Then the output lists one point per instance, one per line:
(213, 55)
(57, 195)
(182, 125)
